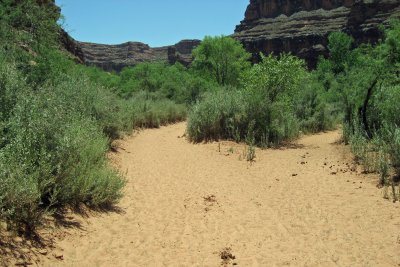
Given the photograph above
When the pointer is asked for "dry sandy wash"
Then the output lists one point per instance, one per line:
(200, 205)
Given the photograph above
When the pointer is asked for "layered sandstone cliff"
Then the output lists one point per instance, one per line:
(116, 57)
(302, 26)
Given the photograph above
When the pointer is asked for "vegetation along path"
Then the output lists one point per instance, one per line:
(201, 205)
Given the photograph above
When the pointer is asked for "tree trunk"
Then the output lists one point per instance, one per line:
(365, 107)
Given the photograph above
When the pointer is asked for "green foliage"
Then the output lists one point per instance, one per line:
(57, 118)
(221, 59)
(275, 78)
(270, 107)
(270, 88)
(152, 113)
(220, 115)
(339, 46)
(162, 81)
(27, 28)
(52, 155)
(314, 109)
(365, 84)
(250, 140)
(391, 45)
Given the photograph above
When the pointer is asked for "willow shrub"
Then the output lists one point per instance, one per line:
(265, 101)
(52, 152)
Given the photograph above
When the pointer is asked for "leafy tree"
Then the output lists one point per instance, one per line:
(222, 59)
(339, 46)
(274, 76)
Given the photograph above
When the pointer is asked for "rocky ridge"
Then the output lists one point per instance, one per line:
(116, 57)
(302, 26)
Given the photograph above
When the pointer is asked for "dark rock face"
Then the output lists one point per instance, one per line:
(71, 46)
(116, 57)
(302, 26)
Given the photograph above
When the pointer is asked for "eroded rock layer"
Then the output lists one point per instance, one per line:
(302, 26)
(116, 57)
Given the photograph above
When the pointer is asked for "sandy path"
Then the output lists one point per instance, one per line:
(264, 214)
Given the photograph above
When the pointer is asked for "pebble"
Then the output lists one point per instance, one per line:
(18, 239)
(22, 262)
(58, 256)
(43, 251)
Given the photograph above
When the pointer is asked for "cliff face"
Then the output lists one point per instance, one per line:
(116, 57)
(302, 26)
(71, 46)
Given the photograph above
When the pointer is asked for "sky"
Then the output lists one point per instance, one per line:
(154, 22)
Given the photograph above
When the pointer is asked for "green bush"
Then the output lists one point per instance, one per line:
(57, 118)
(55, 156)
(395, 150)
(314, 109)
(272, 100)
(154, 113)
(364, 83)
(219, 115)
(175, 82)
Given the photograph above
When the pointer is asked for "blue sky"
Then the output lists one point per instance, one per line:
(155, 22)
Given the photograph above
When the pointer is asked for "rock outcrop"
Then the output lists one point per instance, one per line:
(302, 26)
(69, 44)
(116, 57)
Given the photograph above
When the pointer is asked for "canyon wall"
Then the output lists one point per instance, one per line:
(302, 26)
(116, 57)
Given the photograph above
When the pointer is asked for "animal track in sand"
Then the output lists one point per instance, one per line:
(209, 201)
(227, 257)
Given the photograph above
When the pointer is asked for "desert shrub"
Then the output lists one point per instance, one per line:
(175, 82)
(314, 107)
(394, 151)
(11, 85)
(96, 75)
(152, 113)
(272, 100)
(359, 144)
(270, 88)
(389, 135)
(57, 118)
(220, 114)
(274, 122)
(94, 101)
(386, 103)
(390, 132)
(52, 151)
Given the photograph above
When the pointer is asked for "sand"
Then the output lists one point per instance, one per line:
(203, 205)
